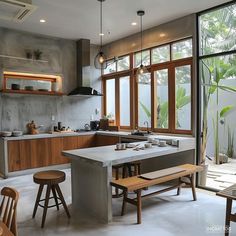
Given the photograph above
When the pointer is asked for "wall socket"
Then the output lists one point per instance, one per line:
(97, 111)
(53, 118)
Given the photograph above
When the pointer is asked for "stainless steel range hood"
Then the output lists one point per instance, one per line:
(83, 71)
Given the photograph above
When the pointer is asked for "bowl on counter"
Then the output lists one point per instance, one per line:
(17, 133)
(29, 88)
(6, 133)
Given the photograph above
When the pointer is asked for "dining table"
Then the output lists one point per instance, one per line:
(4, 231)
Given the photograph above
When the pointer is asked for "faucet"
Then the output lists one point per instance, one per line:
(146, 122)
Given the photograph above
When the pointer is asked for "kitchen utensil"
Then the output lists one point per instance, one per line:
(17, 133)
(94, 125)
(87, 127)
(104, 124)
(120, 146)
(147, 145)
(32, 128)
(6, 133)
(29, 88)
(162, 143)
(55, 86)
(15, 86)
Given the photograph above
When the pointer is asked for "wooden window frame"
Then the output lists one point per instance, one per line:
(132, 72)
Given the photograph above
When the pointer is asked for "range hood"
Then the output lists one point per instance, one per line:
(83, 71)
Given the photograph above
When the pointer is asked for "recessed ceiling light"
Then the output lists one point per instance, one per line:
(162, 35)
(134, 23)
(101, 34)
(42, 21)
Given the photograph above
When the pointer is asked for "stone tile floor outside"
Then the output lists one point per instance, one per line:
(163, 215)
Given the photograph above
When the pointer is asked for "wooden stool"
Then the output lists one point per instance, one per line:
(51, 178)
(128, 170)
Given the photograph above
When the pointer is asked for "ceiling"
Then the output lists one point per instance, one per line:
(74, 19)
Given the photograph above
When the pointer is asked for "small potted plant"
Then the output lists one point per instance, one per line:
(38, 54)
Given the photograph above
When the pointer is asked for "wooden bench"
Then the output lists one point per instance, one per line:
(138, 183)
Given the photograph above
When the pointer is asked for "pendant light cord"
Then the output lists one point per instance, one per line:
(141, 23)
(101, 25)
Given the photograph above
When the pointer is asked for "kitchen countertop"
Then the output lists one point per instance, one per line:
(107, 155)
(110, 133)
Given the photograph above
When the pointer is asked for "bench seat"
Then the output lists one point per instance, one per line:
(137, 184)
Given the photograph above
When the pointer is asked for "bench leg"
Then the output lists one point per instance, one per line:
(124, 203)
(179, 188)
(192, 182)
(227, 218)
(139, 206)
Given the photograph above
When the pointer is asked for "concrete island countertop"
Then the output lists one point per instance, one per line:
(108, 156)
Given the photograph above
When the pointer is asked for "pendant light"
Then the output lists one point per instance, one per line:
(142, 68)
(100, 61)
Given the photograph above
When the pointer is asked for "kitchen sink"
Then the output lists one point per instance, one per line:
(141, 133)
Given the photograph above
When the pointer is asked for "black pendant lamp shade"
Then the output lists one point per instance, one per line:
(142, 68)
(100, 61)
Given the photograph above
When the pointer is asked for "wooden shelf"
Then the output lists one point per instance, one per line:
(36, 92)
(22, 58)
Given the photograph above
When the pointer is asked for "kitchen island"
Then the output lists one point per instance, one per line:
(91, 173)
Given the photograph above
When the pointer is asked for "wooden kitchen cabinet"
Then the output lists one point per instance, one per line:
(103, 140)
(13, 156)
(42, 152)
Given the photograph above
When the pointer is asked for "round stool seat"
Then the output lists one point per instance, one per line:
(49, 177)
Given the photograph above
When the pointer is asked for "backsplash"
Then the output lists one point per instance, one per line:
(17, 110)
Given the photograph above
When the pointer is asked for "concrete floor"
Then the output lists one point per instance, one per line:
(164, 215)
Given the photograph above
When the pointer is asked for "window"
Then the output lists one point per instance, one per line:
(162, 107)
(144, 102)
(162, 98)
(183, 97)
(123, 63)
(110, 99)
(145, 58)
(217, 30)
(161, 54)
(124, 101)
(182, 49)
(111, 68)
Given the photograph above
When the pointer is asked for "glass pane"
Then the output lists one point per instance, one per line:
(144, 103)
(218, 95)
(161, 54)
(162, 109)
(183, 97)
(218, 30)
(123, 63)
(125, 101)
(110, 99)
(145, 57)
(182, 49)
(111, 68)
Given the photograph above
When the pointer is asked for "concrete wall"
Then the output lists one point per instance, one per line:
(17, 110)
(173, 30)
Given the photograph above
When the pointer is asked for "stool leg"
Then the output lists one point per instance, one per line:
(55, 196)
(62, 199)
(46, 205)
(117, 177)
(37, 199)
